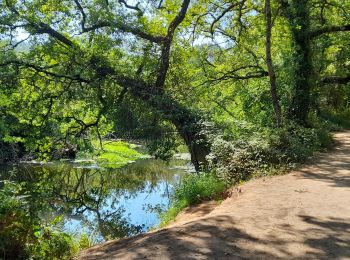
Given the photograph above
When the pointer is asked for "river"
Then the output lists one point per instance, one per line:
(82, 198)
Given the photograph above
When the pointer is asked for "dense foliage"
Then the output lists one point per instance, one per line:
(22, 233)
(247, 85)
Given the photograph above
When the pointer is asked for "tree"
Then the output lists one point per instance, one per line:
(270, 66)
(172, 62)
(298, 15)
(80, 60)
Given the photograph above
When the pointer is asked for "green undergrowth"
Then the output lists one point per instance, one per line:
(339, 121)
(115, 154)
(192, 190)
(235, 159)
(23, 234)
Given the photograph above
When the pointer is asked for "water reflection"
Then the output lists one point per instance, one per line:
(110, 203)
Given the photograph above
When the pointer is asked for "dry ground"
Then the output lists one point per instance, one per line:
(302, 215)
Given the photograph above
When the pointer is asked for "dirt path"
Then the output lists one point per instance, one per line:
(302, 215)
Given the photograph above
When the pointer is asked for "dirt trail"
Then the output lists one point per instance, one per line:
(301, 215)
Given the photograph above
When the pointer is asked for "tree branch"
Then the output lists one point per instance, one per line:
(83, 14)
(165, 56)
(330, 29)
(44, 70)
(43, 28)
(217, 19)
(127, 29)
(118, 25)
(133, 7)
(336, 80)
(233, 75)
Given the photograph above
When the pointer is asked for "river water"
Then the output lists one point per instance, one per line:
(101, 203)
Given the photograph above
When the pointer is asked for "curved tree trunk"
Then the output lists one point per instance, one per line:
(189, 126)
(190, 129)
(187, 122)
(197, 146)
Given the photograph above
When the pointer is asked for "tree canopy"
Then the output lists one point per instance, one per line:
(249, 87)
(164, 70)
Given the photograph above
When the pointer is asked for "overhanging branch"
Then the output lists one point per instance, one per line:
(336, 80)
(165, 56)
(117, 25)
(43, 28)
(330, 29)
(127, 29)
(44, 70)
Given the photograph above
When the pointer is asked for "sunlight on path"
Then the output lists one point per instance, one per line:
(302, 215)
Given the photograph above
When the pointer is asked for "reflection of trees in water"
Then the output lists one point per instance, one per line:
(89, 191)
(80, 193)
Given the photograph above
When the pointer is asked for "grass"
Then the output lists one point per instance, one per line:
(116, 154)
(192, 190)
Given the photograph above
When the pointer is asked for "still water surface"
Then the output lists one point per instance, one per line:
(102, 203)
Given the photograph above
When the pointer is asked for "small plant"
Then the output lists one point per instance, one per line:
(192, 190)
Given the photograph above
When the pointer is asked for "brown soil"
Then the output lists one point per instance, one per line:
(302, 215)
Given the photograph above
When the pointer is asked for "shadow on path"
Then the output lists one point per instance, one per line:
(302, 215)
(212, 239)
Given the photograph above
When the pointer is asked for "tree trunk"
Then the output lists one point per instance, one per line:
(299, 20)
(190, 127)
(270, 67)
(187, 122)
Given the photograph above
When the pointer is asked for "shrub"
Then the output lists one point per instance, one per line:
(233, 161)
(198, 187)
(22, 235)
(51, 244)
(192, 190)
(264, 150)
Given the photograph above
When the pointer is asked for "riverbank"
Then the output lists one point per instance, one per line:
(303, 214)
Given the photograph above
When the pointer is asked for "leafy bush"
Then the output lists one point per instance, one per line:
(196, 188)
(192, 190)
(51, 244)
(233, 161)
(22, 235)
(265, 150)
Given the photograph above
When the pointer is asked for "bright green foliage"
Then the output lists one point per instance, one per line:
(191, 73)
(196, 188)
(93, 72)
(192, 190)
(115, 154)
